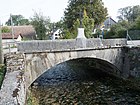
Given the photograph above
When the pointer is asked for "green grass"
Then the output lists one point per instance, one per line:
(13, 46)
(2, 73)
(31, 100)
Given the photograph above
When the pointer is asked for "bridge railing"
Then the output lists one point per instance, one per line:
(71, 44)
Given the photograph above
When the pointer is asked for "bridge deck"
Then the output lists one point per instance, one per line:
(69, 45)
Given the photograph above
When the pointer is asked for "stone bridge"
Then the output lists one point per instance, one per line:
(42, 55)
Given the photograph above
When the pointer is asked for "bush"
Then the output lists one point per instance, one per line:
(138, 23)
(134, 34)
(2, 73)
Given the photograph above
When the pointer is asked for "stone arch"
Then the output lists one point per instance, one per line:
(103, 66)
(38, 63)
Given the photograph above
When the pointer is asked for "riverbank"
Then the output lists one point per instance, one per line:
(12, 91)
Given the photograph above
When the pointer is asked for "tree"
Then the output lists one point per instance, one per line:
(138, 23)
(129, 13)
(125, 13)
(5, 30)
(87, 23)
(23, 22)
(118, 30)
(60, 24)
(17, 20)
(94, 10)
(41, 25)
(129, 19)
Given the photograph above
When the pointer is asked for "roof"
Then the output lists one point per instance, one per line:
(24, 31)
(58, 31)
(9, 36)
(109, 21)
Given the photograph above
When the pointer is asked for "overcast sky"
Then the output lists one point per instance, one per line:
(52, 8)
(114, 5)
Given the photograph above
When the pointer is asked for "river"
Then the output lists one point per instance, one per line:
(71, 83)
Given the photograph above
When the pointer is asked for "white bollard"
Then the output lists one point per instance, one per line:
(81, 33)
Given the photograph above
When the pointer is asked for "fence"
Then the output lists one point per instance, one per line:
(9, 47)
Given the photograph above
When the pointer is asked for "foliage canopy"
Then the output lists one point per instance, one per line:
(89, 12)
(5, 30)
(129, 13)
(129, 20)
(17, 20)
(41, 25)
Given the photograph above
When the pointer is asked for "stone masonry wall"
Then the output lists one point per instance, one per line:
(134, 60)
(13, 88)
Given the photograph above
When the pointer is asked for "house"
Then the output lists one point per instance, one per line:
(108, 23)
(7, 39)
(27, 32)
(19, 33)
(56, 34)
(104, 26)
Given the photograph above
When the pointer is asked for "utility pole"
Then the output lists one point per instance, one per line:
(1, 51)
(53, 36)
(12, 30)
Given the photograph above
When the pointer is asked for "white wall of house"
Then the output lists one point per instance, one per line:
(56, 34)
(19, 38)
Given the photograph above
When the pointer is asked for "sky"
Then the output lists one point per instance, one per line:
(53, 8)
(114, 5)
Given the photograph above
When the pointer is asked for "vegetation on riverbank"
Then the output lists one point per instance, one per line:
(2, 73)
(31, 100)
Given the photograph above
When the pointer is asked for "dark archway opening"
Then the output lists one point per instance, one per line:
(84, 81)
(77, 70)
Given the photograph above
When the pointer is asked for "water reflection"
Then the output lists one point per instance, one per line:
(72, 83)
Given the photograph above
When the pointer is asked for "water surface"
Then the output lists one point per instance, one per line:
(74, 84)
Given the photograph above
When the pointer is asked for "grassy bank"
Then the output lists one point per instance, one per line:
(2, 73)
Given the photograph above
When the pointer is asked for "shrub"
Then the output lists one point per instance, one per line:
(2, 73)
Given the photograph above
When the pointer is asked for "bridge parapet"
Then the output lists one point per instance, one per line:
(71, 44)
